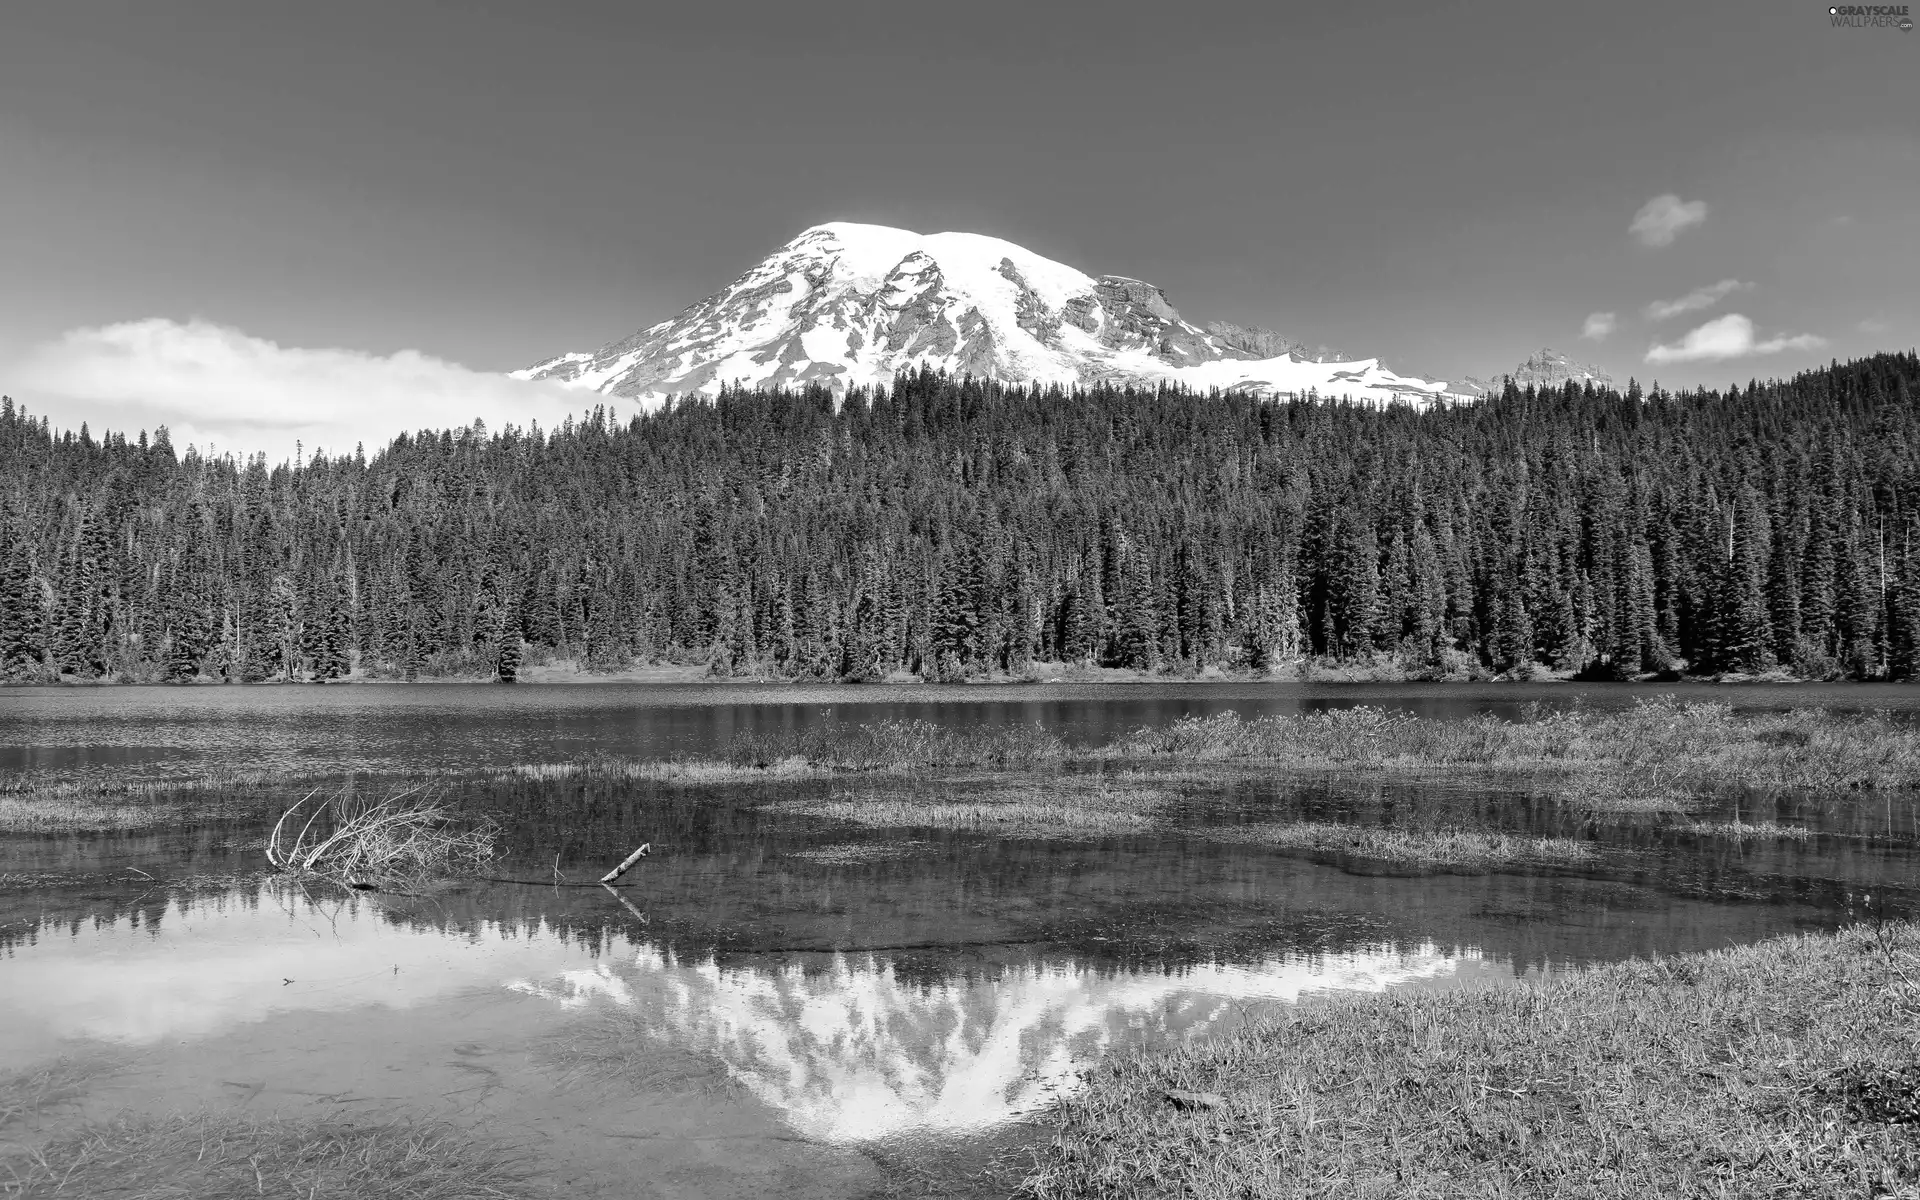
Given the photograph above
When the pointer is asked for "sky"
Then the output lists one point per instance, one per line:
(253, 220)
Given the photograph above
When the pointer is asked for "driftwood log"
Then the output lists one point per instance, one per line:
(626, 863)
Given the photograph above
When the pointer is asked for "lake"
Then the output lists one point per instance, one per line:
(779, 1003)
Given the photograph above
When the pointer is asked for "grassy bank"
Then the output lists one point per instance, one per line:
(1790, 1067)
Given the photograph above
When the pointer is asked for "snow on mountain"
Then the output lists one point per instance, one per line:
(847, 305)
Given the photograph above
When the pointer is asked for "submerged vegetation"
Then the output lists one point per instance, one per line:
(230, 1157)
(1782, 1068)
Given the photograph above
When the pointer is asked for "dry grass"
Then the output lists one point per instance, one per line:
(1643, 757)
(35, 802)
(900, 746)
(1750, 831)
(404, 837)
(77, 811)
(1786, 1068)
(856, 853)
(1064, 807)
(674, 771)
(206, 1157)
(1445, 846)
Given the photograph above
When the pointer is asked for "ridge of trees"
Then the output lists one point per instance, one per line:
(956, 527)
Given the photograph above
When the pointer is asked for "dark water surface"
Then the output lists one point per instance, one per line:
(159, 731)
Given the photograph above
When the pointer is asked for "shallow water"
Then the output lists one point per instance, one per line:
(784, 1005)
(158, 731)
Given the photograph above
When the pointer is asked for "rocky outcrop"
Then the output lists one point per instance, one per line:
(1545, 370)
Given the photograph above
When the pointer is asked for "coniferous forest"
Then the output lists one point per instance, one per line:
(958, 529)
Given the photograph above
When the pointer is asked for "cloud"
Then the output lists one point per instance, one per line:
(215, 384)
(1661, 219)
(1698, 298)
(1597, 326)
(1727, 337)
(1874, 325)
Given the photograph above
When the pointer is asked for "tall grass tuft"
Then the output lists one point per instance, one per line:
(402, 837)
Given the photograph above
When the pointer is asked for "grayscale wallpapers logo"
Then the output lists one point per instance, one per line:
(1873, 16)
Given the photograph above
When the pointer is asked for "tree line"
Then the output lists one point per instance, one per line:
(960, 528)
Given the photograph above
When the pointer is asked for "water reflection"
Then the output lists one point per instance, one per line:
(845, 1048)
(855, 1053)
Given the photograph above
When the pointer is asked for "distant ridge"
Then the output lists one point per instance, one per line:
(1545, 368)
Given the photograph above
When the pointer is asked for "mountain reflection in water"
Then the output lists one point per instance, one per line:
(846, 1048)
(854, 1053)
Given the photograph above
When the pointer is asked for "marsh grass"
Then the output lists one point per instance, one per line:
(1749, 831)
(671, 771)
(405, 837)
(1061, 807)
(209, 1157)
(75, 811)
(1653, 755)
(856, 853)
(1449, 846)
(899, 746)
(35, 802)
(1782, 1068)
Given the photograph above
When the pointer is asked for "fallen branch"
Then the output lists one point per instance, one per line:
(626, 863)
(395, 838)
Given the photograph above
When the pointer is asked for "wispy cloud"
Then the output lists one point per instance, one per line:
(1698, 298)
(214, 383)
(1661, 219)
(1727, 337)
(1597, 326)
(1874, 325)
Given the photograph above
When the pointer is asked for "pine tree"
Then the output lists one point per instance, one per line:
(1744, 633)
(19, 612)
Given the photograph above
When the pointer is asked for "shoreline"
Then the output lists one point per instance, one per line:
(1105, 678)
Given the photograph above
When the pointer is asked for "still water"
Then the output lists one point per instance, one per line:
(782, 1004)
(159, 731)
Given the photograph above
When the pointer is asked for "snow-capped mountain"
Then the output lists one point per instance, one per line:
(851, 305)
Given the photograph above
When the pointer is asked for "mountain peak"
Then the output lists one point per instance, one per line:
(850, 305)
(1545, 369)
